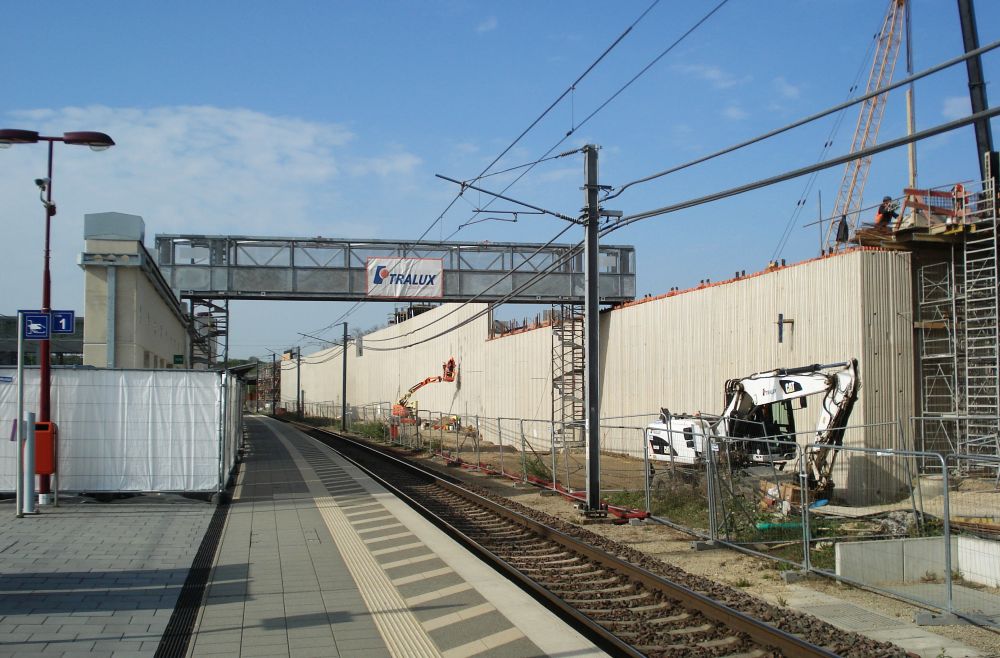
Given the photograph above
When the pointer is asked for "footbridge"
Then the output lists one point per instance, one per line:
(224, 267)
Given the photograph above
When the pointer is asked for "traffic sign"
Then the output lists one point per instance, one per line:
(36, 325)
(63, 322)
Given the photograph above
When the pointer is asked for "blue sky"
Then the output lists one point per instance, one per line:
(331, 118)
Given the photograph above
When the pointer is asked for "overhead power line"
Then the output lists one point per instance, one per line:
(808, 119)
(560, 260)
(545, 112)
(607, 101)
(568, 90)
(795, 173)
(577, 248)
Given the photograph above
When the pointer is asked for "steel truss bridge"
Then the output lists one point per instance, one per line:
(224, 267)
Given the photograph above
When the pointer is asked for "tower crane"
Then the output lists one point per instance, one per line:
(852, 185)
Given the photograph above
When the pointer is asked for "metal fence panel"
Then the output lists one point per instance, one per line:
(134, 430)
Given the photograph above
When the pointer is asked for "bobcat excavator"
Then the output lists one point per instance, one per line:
(759, 416)
(406, 411)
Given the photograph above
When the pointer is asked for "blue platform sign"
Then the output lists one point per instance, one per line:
(63, 322)
(36, 325)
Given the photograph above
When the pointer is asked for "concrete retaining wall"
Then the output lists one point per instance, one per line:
(895, 561)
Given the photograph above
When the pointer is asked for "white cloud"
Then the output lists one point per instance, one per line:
(786, 89)
(487, 25)
(734, 112)
(956, 107)
(389, 165)
(714, 75)
(558, 175)
(466, 148)
(195, 169)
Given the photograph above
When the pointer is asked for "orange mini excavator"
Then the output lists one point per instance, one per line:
(404, 410)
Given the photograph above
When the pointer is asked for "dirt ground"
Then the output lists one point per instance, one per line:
(757, 575)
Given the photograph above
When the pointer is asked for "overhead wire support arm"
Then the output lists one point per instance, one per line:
(819, 166)
(809, 119)
(322, 340)
(543, 211)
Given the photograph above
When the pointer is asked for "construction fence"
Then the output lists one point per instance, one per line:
(919, 524)
(133, 430)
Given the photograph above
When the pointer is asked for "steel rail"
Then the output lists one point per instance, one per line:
(738, 622)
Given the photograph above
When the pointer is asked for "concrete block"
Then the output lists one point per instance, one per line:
(924, 556)
(870, 562)
(113, 226)
(979, 560)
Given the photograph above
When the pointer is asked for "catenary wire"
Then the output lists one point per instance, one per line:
(558, 261)
(552, 267)
(554, 103)
(580, 78)
(530, 166)
(795, 173)
(808, 119)
(604, 104)
(824, 152)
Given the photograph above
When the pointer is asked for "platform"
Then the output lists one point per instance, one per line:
(317, 559)
(89, 578)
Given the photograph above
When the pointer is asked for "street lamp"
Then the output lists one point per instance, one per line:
(97, 142)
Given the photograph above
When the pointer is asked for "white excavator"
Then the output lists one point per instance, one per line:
(759, 421)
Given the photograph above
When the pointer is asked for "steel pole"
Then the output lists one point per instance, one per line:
(593, 399)
(44, 400)
(19, 423)
(343, 386)
(977, 87)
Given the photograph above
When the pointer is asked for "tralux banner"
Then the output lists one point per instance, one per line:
(406, 277)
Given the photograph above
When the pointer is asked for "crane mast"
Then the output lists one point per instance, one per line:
(852, 185)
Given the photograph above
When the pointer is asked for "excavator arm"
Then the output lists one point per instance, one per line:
(755, 403)
(837, 406)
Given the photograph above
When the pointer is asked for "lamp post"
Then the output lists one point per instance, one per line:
(97, 142)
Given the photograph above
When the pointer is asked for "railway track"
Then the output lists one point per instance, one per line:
(625, 608)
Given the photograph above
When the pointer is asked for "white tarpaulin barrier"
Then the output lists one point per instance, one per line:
(132, 430)
(405, 277)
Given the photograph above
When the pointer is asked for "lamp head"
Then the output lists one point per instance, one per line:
(96, 141)
(10, 136)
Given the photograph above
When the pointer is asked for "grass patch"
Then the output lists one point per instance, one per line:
(681, 500)
(629, 499)
(536, 467)
(370, 430)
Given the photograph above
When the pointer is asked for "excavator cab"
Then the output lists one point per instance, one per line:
(760, 428)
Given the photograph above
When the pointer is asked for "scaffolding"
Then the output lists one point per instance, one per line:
(268, 385)
(959, 343)
(568, 375)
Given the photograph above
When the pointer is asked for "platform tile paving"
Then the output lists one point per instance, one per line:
(89, 578)
(279, 586)
(425, 582)
(281, 530)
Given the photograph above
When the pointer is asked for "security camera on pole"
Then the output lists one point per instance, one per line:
(97, 142)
